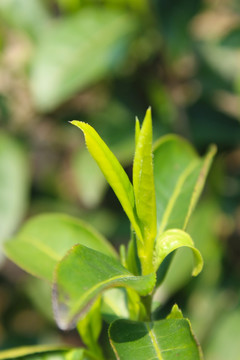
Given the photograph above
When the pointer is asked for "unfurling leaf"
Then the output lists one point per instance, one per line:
(171, 240)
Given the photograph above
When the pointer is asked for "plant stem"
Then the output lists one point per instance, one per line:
(147, 303)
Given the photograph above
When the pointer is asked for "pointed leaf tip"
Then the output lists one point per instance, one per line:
(112, 170)
(143, 185)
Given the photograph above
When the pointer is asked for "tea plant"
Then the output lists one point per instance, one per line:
(92, 283)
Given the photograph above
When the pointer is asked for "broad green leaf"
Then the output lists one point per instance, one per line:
(85, 273)
(112, 170)
(77, 51)
(171, 240)
(14, 185)
(144, 190)
(168, 339)
(23, 15)
(179, 178)
(45, 239)
(44, 353)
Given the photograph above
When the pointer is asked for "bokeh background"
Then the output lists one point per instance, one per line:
(104, 62)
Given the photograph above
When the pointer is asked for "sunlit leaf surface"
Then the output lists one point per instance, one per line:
(169, 339)
(82, 275)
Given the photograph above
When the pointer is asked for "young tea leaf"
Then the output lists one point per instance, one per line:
(112, 170)
(171, 240)
(144, 188)
(85, 273)
(168, 339)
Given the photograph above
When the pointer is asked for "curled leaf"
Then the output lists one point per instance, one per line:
(171, 240)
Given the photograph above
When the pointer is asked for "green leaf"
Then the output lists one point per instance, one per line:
(179, 178)
(171, 240)
(85, 273)
(120, 303)
(175, 313)
(90, 182)
(43, 353)
(22, 15)
(112, 170)
(45, 239)
(223, 341)
(168, 339)
(144, 190)
(77, 51)
(89, 327)
(14, 185)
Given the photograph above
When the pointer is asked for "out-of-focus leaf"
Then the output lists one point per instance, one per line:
(14, 183)
(179, 179)
(144, 191)
(30, 17)
(35, 286)
(173, 239)
(45, 239)
(77, 52)
(113, 172)
(210, 125)
(230, 64)
(120, 303)
(232, 39)
(43, 353)
(85, 273)
(89, 327)
(174, 24)
(69, 6)
(224, 342)
(168, 339)
(89, 179)
(114, 304)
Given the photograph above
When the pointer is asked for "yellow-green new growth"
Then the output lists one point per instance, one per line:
(144, 191)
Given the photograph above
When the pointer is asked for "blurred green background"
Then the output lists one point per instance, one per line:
(104, 62)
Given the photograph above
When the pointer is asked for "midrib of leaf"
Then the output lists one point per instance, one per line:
(154, 341)
(42, 247)
(31, 350)
(87, 294)
(175, 194)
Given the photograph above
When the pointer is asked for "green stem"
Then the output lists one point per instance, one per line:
(147, 303)
(146, 259)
